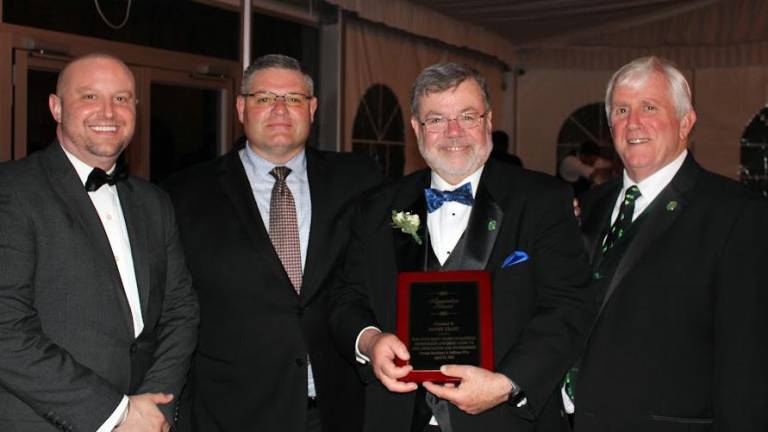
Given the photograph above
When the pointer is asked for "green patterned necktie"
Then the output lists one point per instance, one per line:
(624, 220)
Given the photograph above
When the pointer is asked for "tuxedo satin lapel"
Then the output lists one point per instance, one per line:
(235, 184)
(133, 212)
(659, 217)
(68, 186)
(594, 229)
(319, 241)
(483, 227)
(409, 255)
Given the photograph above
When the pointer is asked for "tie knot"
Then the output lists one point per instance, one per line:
(631, 194)
(280, 172)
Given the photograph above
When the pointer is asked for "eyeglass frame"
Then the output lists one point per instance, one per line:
(277, 97)
(480, 117)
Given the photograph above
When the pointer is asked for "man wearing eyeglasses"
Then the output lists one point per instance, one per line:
(474, 213)
(264, 228)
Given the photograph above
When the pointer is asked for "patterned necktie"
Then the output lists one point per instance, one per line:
(284, 228)
(624, 220)
(436, 198)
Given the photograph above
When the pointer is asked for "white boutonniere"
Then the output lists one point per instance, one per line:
(407, 223)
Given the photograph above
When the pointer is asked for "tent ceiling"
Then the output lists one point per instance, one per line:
(529, 22)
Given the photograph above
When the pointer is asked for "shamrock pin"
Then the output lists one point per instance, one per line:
(671, 206)
(492, 225)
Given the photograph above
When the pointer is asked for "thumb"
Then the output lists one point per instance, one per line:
(161, 398)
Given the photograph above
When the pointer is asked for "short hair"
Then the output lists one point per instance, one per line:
(637, 71)
(443, 76)
(89, 56)
(276, 61)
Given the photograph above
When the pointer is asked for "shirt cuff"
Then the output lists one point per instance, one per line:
(118, 416)
(360, 357)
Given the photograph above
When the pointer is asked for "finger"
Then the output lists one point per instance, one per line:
(398, 386)
(396, 372)
(160, 398)
(458, 371)
(400, 350)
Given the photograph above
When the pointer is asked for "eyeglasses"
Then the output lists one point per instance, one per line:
(268, 99)
(469, 120)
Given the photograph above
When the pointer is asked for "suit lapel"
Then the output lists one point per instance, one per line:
(320, 195)
(67, 185)
(658, 218)
(133, 213)
(595, 228)
(235, 184)
(482, 229)
(410, 256)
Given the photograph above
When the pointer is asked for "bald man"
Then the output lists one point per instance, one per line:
(97, 316)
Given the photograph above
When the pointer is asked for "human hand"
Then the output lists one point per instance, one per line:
(383, 349)
(143, 414)
(478, 391)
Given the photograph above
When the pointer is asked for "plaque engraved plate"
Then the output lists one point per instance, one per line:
(445, 318)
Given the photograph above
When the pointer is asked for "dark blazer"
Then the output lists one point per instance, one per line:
(681, 343)
(541, 311)
(67, 346)
(250, 372)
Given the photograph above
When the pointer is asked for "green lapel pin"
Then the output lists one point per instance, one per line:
(671, 206)
(492, 225)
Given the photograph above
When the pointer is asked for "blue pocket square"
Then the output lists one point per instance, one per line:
(516, 258)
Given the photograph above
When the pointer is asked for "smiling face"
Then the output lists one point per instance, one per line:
(95, 108)
(277, 133)
(456, 153)
(648, 133)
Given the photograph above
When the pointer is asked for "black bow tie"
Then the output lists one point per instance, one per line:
(98, 178)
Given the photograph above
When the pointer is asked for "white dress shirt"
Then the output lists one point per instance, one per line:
(107, 204)
(257, 170)
(448, 223)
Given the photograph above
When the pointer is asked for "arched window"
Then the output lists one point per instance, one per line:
(378, 130)
(587, 123)
(753, 170)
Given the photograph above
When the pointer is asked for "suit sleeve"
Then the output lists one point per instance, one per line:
(564, 307)
(177, 327)
(33, 368)
(741, 324)
(350, 311)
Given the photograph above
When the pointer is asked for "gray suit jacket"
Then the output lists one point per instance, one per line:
(67, 348)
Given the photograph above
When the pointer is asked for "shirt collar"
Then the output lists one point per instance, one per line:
(474, 179)
(262, 167)
(82, 168)
(651, 186)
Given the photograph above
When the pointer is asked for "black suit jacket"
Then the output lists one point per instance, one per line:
(681, 343)
(250, 372)
(541, 311)
(67, 346)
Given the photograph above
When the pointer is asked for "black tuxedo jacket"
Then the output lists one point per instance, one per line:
(681, 343)
(67, 346)
(541, 310)
(250, 371)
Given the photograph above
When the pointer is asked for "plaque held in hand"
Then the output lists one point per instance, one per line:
(444, 318)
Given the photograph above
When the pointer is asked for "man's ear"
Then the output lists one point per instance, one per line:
(240, 105)
(686, 125)
(312, 109)
(54, 104)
